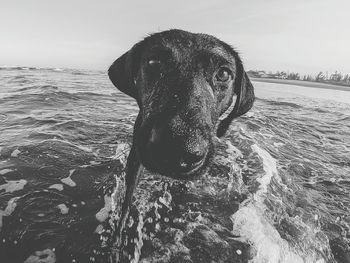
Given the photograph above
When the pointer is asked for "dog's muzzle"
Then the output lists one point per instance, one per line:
(177, 156)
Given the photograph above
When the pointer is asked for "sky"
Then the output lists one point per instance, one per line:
(305, 36)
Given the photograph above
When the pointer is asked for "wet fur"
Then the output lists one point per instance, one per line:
(181, 105)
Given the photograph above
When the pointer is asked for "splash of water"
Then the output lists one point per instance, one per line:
(251, 225)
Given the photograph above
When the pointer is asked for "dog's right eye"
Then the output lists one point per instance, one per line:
(223, 75)
(154, 68)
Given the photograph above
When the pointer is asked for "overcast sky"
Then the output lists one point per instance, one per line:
(306, 36)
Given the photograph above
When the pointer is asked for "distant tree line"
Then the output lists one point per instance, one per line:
(335, 78)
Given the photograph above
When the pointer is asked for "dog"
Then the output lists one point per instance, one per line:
(189, 87)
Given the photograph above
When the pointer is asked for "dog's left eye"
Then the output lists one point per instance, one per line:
(223, 75)
(153, 62)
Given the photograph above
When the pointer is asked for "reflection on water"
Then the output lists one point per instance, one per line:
(277, 190)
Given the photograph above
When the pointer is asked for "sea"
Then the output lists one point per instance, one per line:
(277, 191)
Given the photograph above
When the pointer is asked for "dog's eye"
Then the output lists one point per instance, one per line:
(223, 75)
(153, 62)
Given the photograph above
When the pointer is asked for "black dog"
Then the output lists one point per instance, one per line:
(189, 88)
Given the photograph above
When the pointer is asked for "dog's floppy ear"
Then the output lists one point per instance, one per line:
(244, 91)
(123, 70)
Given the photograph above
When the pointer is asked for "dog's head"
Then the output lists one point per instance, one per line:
(189, 88)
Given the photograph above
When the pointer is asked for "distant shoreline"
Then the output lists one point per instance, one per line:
(303, 83)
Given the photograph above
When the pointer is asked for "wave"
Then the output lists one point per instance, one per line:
(50, 96)
(250, 223)
(283, 103)
(53, 69)
(17, 68)
(36, 87)
(30, 68)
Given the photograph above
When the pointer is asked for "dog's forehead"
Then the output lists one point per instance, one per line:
(184, 44)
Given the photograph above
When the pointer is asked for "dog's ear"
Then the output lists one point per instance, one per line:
(123, 70)
(244, 91)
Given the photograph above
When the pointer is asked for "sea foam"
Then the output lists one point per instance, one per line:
(251, 225)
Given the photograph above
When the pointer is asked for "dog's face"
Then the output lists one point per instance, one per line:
(189, 87)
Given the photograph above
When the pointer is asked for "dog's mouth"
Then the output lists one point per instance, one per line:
(182, 171)
(186, 170)
(177, 168)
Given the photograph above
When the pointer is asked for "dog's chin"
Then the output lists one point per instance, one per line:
(178, 172)
(187, 174)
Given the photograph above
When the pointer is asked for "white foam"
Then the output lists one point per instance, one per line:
(270, 169)
(71, 172)
(58, 187)
(233, 151)
(11, 205)
(94, 162)
(99, 229)
(139, 242)
(235, 182)
(64, 209)
(102, 215)
(12, 186)
(250, 224)
(68, 180)
(118, 195)
(5, 171)
(39, 257)
(121, 153)
(15, 153)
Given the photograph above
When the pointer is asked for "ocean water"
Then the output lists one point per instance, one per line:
(278, 189)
